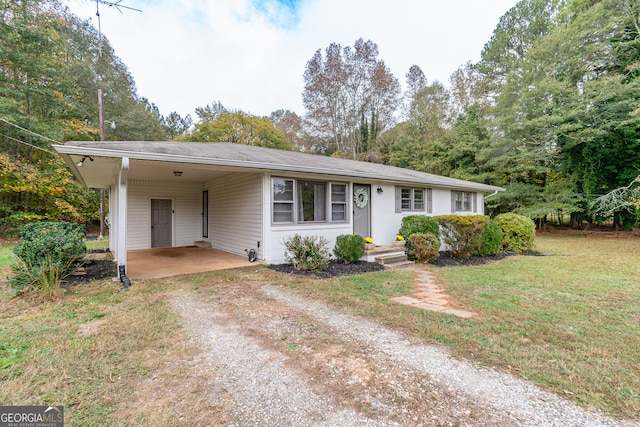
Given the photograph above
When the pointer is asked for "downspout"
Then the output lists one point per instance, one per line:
(122, 220)
(491, 195)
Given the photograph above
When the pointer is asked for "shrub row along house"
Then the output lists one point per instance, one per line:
(232, 196)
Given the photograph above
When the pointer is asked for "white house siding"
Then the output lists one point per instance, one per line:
(187, 221)
(385, 221)
(275, 234)
(235, 212)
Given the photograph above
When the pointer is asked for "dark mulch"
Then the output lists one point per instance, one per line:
(94, 270)
(447, 260)
(334, 269)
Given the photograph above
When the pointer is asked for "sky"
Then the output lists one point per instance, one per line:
(251, 54)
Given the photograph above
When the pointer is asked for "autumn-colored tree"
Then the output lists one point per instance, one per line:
(350, 97)
(240, 128)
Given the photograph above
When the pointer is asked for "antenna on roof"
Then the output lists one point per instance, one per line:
(117, 5)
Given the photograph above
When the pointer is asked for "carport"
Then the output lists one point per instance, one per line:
(166, 262)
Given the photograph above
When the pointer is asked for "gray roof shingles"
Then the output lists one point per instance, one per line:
(272, 159)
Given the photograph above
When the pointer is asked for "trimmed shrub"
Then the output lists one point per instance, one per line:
(463, 233)
(349, 248)
(519, 232)
(413, 224)
(307, 253)
(47, 253)
(424, 246)
(491, 239)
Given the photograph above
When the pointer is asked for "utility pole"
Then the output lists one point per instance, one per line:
(118, 6)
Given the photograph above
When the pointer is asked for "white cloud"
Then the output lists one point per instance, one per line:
(187, 54)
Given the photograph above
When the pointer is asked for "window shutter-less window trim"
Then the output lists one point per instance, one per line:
(429, 201)
(398, 199)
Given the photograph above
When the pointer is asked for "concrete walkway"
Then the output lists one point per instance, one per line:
(430, 296)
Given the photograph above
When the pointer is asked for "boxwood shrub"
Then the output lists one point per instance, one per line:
(413, 224)
(491, 239)
(424, 246)
(519, 232)
(349, 248)
(463, 233)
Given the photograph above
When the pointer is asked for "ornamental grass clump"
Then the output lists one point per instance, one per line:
(307, 252)
(47, 253)
(349, 248)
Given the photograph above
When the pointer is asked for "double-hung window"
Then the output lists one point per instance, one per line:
(303, 201)
(410, 199)
(463, 201)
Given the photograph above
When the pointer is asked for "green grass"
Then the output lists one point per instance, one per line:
(6, 253)
(97, 244)
(569, 322)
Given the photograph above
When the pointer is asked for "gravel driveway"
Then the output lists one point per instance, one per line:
(280, 359)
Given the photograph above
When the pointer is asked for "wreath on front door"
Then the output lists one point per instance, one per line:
(361, 197)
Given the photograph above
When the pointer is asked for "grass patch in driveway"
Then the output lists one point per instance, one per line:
(569, 321)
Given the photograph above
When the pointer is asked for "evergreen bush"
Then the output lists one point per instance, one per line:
(491, 239)
(349, 248)
(307, 253)
(463, 233)
(47, 253)
(519, 232)
(413, 224)
(424, 246)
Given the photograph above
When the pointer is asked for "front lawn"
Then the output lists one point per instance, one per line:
(567, 321)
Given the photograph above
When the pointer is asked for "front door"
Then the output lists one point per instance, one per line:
(362, 209)
(161, 223)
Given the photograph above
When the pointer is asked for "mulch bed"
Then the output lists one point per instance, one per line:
(447, 260)
(93, 270)
(334, 269)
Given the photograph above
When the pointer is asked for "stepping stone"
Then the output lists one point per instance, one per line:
(426, 306)
(436, 301)
(459, 313)
(405, 300)
(425, 295)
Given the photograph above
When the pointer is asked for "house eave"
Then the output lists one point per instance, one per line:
(67, 150)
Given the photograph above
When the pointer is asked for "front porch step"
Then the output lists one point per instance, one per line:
(394, 261)
(391, 259)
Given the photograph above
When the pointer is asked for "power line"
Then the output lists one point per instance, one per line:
(29, 131)
(30, 145)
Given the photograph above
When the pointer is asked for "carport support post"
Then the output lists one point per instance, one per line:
(121, 252)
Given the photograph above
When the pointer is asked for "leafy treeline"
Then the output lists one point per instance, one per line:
(551, 111)
(49, 79)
